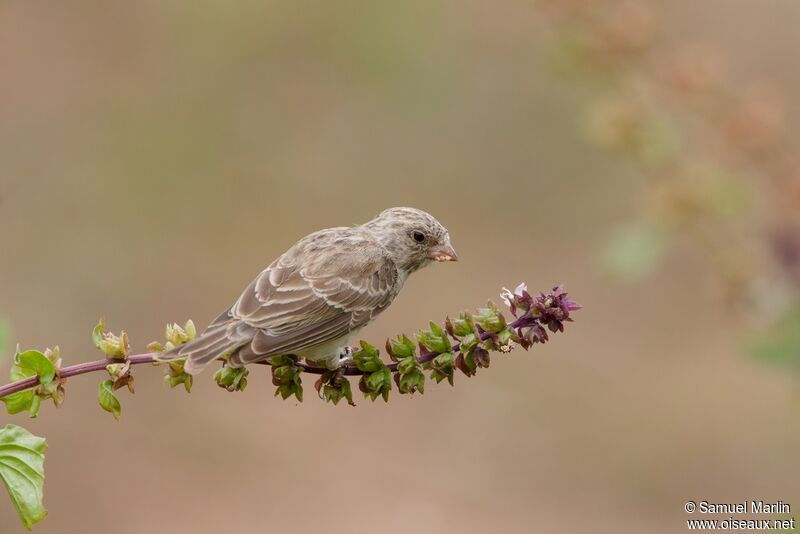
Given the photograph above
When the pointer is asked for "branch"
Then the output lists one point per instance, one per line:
(487, 330)
(74, 370)
(152, 357)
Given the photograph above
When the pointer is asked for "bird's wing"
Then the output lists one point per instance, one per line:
(330, 283)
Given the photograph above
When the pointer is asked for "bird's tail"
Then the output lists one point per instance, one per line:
(219, 339)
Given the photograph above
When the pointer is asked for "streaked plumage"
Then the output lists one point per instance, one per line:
(322, 291)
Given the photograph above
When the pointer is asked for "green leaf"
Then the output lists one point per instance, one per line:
(27, 364)
(97, 333)
(22, 471)
(36, 405)
(18, 402)
(108, 401)
(33, 362)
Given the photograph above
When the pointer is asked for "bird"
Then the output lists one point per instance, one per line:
(314, 298)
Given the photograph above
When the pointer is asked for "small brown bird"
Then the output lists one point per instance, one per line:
(314, 298)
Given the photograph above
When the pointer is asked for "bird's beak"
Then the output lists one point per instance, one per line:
(443, 252)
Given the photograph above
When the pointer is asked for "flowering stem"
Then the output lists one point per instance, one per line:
(423, 358)
(151, 357)
(549, 310)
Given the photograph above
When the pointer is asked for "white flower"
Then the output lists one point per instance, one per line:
(509, 297)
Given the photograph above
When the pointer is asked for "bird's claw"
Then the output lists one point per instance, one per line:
(345, 357)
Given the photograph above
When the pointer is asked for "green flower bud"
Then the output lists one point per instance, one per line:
(469, 342)
(400, 347)
(176, 335)
(367, 359)
(337, 390)
(280, 361)
(506, 339)
(411, 382)
(111, 345)
(465, 362)
(490, 319)
(191, 331)
(232, 378)
(435, 339)
(285, 374)
(462, 326)
(406, 365)
(442, 367)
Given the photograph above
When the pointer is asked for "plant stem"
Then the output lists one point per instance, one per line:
(151, 357)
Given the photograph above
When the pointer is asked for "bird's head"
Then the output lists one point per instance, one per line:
(412, 237)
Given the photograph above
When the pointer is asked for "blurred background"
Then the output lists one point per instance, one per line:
(155, 156)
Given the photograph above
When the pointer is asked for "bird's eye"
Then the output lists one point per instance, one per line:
(418, 236)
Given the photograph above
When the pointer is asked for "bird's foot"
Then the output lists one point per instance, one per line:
(339, 360)
(345, 357)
